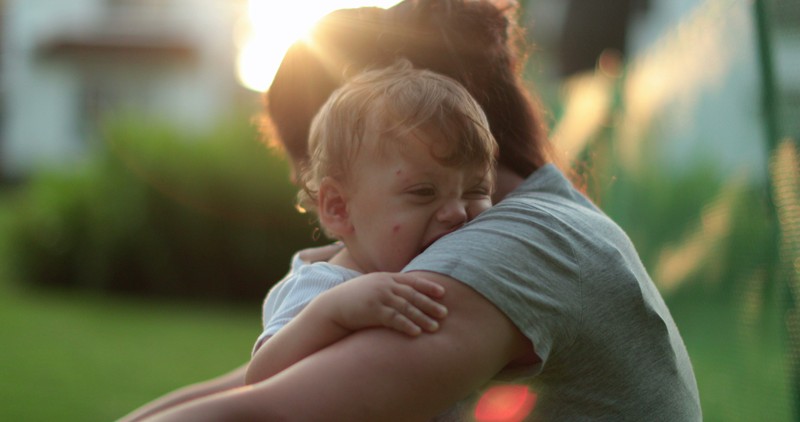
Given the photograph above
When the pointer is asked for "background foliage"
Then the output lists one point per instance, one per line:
(158, 212)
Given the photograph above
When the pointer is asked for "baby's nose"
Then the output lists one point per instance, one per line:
(453, 213)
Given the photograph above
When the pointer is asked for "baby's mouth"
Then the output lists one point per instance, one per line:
(437, 237)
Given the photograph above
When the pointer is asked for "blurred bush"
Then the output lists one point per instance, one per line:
(696, 230)
(159, 212)
(700, 230)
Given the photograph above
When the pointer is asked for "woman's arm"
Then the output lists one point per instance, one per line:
(379, 374)
(230, 380)
(395, 301)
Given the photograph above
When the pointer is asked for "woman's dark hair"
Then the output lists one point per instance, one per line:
(473, 42)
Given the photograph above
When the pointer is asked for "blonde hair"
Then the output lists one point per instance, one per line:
(389, 104)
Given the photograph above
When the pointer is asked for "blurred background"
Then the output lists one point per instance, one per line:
(142, 218)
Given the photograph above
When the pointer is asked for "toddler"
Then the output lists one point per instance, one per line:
(399, 158)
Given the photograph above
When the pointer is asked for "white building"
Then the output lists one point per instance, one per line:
(66, 63)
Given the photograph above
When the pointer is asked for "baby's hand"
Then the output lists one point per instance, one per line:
(402, 302)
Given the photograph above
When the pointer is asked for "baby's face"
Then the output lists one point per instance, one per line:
(401, 201)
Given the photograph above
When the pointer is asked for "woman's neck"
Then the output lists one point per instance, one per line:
(505, 182)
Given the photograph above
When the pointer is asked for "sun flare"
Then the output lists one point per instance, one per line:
(273, 26)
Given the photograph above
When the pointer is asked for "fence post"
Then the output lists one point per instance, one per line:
(773, 134)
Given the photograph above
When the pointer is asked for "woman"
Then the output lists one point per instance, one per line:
(543, 288)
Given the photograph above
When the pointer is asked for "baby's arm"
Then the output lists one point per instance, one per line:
(395, 301)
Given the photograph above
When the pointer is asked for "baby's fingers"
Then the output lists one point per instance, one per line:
(422, 285)
(419, 309)
(399, 322)
(419, 305)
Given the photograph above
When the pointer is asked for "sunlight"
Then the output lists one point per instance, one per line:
(272, 27)
(587, 104)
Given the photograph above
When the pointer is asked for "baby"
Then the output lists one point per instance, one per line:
(399, 158)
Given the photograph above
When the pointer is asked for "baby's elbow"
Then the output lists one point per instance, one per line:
(257, 370)
(250, 375)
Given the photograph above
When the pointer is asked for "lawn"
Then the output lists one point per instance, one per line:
(740, 361)
(83, 357)
(78, 357)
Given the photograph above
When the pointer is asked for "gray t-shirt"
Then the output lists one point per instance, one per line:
(572, 282)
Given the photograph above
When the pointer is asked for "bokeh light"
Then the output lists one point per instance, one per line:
(505, 403)
(270, 29)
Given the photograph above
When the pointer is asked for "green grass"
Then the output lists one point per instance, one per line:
(77, 357)
(740, 362)
(82, 357)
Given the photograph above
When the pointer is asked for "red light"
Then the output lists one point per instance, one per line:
(505, 403)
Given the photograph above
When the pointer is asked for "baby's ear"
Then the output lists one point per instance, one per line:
(332, 207)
